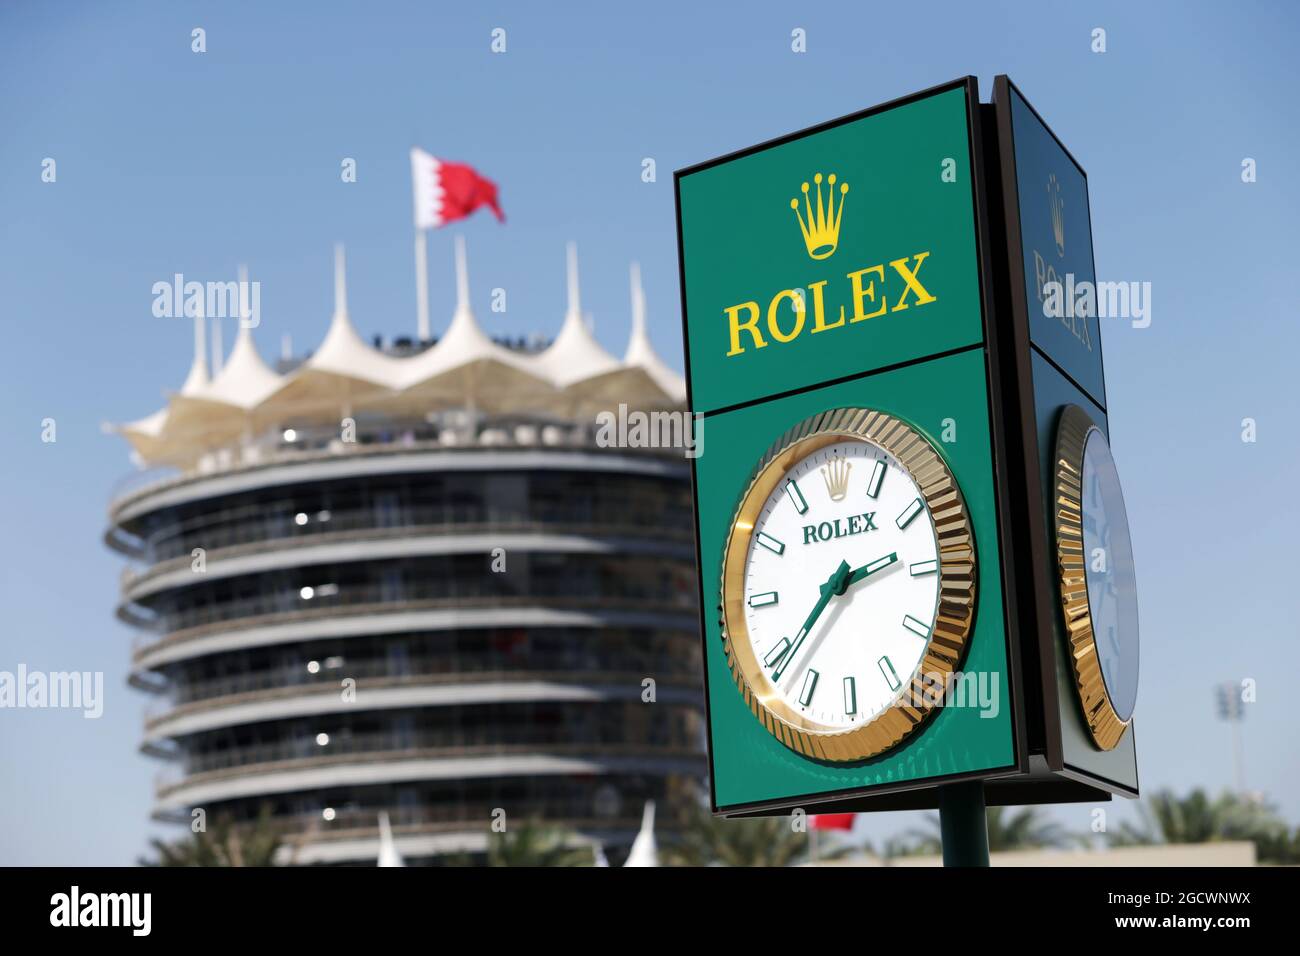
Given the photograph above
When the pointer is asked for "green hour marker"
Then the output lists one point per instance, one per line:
(796, 496)
(918, 628)
(890, 675)
(762, 600)
(775, 654)
(769, 542)
(924, 567)
(910, 512)
(877, 476)
(809, 685)
(850, 696)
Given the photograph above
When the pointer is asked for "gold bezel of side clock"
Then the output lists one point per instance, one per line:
(1099, 712)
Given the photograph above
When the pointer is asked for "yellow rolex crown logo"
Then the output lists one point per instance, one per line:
(821, 226)
(1058, 213)
(836, 475)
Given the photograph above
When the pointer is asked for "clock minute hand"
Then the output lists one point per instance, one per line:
(838, 583)
(834, 585)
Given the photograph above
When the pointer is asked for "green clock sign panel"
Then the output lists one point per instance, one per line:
(857, 515)
(874, 265)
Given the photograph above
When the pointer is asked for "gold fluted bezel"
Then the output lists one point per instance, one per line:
(954, 612)
(1104, 724)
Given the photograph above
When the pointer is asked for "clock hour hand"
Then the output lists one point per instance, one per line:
(872, 568)
(834, 585)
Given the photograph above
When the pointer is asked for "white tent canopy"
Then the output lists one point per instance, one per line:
(574, 376)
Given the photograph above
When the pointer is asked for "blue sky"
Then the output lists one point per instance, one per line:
(171, 161)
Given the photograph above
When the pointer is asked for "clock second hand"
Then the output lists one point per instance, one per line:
(838, 583)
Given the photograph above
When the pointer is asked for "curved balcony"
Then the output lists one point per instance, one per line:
(489, 736)
(416, 690)
(238, 528)
(458, 574)
(415, 542)
(257, 467)
(384, 617)
(292, 772)
(604, 653)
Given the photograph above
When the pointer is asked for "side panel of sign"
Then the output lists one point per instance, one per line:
(1062, 365)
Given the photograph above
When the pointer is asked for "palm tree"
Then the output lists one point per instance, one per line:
(1167, 818)
(1197, 818)
(223, 844)
(535, 845)
(1028, 828)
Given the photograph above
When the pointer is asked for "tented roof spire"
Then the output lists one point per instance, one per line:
(575, 354)
(574, 304)
(340, 281)
(343, 353)
(218, 350)
(462, 277)
(641, 354)
(198, 376)
(466, 359)
(246, 379)
(463, 333)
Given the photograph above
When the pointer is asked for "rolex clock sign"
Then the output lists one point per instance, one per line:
(851, 543)
(863, 540)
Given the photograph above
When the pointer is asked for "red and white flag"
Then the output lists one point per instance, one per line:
(445, 192)
(832, 821)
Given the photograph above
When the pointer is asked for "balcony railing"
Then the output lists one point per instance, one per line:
(245, 526)
(324, 444)
(484, 741)
(385, 596)
(265, 534)
(606, 665)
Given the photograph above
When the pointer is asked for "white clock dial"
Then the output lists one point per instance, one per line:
(1093, 546)
(845, 543)
(1108, 570)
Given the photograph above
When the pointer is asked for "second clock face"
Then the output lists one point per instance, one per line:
(841, 584)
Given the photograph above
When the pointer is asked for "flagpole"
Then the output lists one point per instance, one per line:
(422, 284)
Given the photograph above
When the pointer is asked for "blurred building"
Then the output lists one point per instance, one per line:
(406, 579)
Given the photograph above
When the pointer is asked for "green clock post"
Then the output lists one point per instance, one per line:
(874, 634)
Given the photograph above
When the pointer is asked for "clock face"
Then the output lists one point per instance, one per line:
(1098, 589)
(842, 658)
(1108, 570)
(847, 536)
